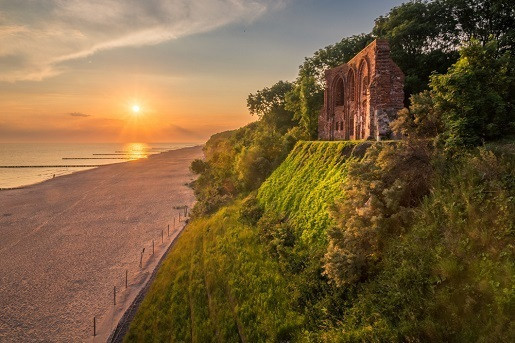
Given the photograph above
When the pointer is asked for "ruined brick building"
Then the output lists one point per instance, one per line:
(362, 96)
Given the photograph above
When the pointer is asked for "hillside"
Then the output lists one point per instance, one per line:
(252, 272)
(225, 277)
(304, 185)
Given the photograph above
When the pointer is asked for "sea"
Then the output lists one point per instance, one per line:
(23, 164)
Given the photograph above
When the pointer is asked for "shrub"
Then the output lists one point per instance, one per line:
(250, 211)
(198, 166)
(378, 197)
(450, 277)
(474, 96)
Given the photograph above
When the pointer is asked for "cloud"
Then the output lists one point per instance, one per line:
(78, 114)
(38, 37)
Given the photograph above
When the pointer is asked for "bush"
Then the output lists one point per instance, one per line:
(198, 166)
(377, 205)
(450, 277)
(474, 96)
(250, 211)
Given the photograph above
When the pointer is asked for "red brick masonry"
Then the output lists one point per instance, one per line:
(362, 96)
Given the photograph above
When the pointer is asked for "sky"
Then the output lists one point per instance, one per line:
(74, 70)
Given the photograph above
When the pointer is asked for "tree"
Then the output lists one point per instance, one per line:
(269, 105)
(422, 40)
(425, 36)
(484, 20)
(198, 166)
(305, 101)
(332, 56)
(420, 120)
(474, 97)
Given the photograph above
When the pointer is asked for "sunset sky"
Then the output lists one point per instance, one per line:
(72, 70)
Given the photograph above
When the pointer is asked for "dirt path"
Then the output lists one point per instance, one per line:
(65, 243)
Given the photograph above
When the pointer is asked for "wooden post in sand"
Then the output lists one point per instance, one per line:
(141, 258)
(94, 326)
(152, 247)
(179, 217)
(114, 295)
(162, 235)
(126, 278)
(168, 230)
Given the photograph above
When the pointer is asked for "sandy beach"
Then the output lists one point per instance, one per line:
(65, 243)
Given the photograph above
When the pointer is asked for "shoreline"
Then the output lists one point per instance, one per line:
(81, 166)
(68, 240)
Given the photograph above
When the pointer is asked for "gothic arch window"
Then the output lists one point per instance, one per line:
(339, 93)
(363, 84)
(364, 76)
(351, 85)
(350, 110)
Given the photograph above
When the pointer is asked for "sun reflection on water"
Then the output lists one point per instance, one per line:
(135, 151)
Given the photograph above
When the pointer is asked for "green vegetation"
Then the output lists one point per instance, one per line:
(450, 276)
(425, 36)
(217, 284)
(445, 274)
(399, 241)
(303, 186)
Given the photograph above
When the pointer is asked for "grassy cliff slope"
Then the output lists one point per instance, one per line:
(222, 283)
(447, 277)
(217, 284)
(305, 184)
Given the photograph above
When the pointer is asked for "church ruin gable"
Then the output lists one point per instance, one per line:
(362, 96)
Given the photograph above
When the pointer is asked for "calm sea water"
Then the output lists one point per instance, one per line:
(38, 162)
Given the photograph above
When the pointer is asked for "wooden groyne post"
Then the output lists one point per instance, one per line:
(141, 258)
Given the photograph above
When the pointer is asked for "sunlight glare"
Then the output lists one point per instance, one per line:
(136, 150)
(135, 108)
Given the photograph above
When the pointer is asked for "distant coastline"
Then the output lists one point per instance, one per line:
(27, 164)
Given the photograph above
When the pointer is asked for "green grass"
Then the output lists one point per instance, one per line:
(217, 284)
(220, 282)
(305, 184)
(449, 277)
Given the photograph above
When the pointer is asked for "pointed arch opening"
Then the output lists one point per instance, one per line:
(339, 93)
(349, 111)
(364, 85)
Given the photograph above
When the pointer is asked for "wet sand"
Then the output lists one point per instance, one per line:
(65, 243)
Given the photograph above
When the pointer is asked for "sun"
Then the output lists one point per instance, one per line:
(135, 108)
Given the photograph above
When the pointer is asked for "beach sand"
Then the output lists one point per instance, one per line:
(65, 243)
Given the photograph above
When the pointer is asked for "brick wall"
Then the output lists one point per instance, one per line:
(373, 93)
